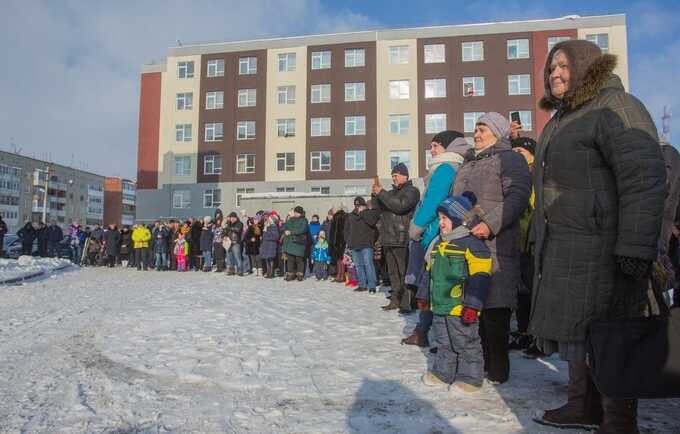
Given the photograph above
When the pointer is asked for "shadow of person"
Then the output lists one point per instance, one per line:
(389, 407)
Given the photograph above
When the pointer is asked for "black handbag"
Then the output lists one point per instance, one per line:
(637, 358)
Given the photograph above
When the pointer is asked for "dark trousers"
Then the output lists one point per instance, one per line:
(218, 256)
(296, 264)
(459, 354)
(340, 270)
(142, 258)
(397, 259)
(53, 249)
(526, 265)
(494, 329)
(111, 260)
(523, 312)
(42, 249)
(321, 270)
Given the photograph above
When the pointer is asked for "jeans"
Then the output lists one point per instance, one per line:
(363, 260)
(207, 259)
(234, 258)
(161, 260)
(76, 253)
(246, 264)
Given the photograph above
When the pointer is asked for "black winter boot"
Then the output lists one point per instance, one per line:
(394, 303)
(620, 417)
(418, 338)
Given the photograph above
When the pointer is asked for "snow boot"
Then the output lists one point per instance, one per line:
(394, 304)
(583, 409)
(289, 277)
(417, 338)
(620, 417)
(431, 380)
(230, 271)
(464, 388)
(360, 289)
(300, 277)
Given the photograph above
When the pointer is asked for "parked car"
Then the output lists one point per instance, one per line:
(13, 247)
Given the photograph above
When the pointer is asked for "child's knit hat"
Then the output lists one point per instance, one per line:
(458, 208)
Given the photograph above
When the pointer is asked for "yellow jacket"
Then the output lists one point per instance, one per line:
(141, 237)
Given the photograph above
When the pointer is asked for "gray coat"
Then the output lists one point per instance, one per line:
(500, 179)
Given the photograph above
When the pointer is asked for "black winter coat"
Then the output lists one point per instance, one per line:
(27, 235)
(360, 228)
(54, 234)
(252, 241)
(336, 236)
(161, 240)
(234, 231)
(396, 211)
(206, 240)
(125, 242)
(112, 240)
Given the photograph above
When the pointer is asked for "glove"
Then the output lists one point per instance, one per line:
(422, 304)
(633, 267)
(469, 316)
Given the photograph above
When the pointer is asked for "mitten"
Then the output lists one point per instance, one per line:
(422, 304)
(634, 267)
(469, 315)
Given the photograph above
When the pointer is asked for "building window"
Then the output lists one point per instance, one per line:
(435, 53)
(286, 94)
(285, 127)
(355, 57)
(245, 163)
(185, 101)
(287, 62)
(182, 166)
(601, 39)
(245, 130)
(320, 161)
(554, 40)
(399, 55)
(518, 49)
(285, 189)
(247, 97)
(247, 65)
(399, 124)
(473, 86)
(519, 84)
(356, 190)
(397, 157)
(525, 119)
(470, 120)
(240, 192)
(185, 69)
(399, 89)
(181, 199)
(355, 160)
(321, 190)
(285, 161)
(215, 68)
(214, 131)
(473, 51)
(212, 198)
(355, 92)
(214, 100)
(183, 132)
(321, 93)
(212, 165)
(435, 88)
(435, 123)
(320, 127)
(355, 125)
(321, 59)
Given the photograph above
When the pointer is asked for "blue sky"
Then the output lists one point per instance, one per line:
(70, 75)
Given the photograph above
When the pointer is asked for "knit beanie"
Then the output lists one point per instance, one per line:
(496, 122)
(401, 169)
(457, 208)
(459, 145)
(298, 209)
(445, 137)
(233, 214)
(524, 142)
(359, 201)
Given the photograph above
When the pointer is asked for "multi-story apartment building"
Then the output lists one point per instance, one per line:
(327, 113)
(119, 201)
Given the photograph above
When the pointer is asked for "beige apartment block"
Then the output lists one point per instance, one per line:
(618, 45)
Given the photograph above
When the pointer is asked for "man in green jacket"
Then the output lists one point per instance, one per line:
(294, 243)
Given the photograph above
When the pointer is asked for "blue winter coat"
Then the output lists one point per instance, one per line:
(314, 229)
(320, 252)
(437, 190)
(270, 242)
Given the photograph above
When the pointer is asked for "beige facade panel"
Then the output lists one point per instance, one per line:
(617, 44)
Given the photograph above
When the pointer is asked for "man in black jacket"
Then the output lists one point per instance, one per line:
(397, 207)
(54, 236)
(360, 235)
(234, 231)
(3, 232)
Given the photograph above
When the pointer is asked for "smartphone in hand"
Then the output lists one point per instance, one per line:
(514, 117)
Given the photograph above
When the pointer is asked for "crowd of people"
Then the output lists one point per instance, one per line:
(558, 233)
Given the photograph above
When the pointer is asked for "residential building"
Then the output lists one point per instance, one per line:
(119, 201)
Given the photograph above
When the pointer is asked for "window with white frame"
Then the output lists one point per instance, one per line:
(473, 86)
(212, 164)
(355, 125)
(286, 94)
(185, 69)
(212, 198)
(518, 48)
(435, 88)
(245, 130)
(355, 92)
(287, 62)
(320, 127)
(355, 57)
(399, 123)
(215, 68)
(356, 190)
(601, 39)
(321, 190)
(285, 161)
(214, 131)
(519, 84)
(181, 199)
(182, 165)
(320, 93)
(355, 160)
(399, 55)
(470, 120)
(183, 132)
(214, 100)
(247, 98)
(321, 59)
(245, 163)
(285, 127)
(240, 192)
(524, 117)
(397, 157)
(435, 123)
(434, 53)
(554, 40)
(185, 101)
(247, 65)
(320, 161)
(473, 51)
(399, 89)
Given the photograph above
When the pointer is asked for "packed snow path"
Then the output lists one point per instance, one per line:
(121, 351)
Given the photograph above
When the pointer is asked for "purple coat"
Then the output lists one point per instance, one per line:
(270, 242)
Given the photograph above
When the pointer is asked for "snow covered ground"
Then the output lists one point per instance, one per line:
(121, 351)
(28, 266)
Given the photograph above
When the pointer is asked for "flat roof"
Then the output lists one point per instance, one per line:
(43, 163)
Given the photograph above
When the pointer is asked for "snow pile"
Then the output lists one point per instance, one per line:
(27, 266)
